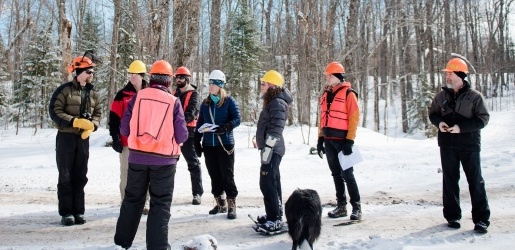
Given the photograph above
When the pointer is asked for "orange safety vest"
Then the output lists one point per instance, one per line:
(151, 123)
(334, 117)
(186, 103)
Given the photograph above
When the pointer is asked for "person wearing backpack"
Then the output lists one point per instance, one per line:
(339, 118)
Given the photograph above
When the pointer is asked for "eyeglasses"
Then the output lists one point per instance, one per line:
(180, 78)
(90, 72)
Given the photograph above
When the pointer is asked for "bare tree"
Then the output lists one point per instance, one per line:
(214, 39)
(185, 31)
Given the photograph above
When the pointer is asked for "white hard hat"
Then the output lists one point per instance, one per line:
(217, 75)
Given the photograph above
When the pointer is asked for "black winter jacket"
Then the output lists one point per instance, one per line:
(466, 109)
(272, 120)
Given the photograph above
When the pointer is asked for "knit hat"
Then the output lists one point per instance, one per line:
(340, 76)
(460, 74)
(79, 71)
(164, 80)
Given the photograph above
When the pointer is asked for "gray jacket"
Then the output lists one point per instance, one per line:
(272, 120)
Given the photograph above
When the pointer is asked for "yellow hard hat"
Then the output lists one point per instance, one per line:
(273, 77)
(137, 67)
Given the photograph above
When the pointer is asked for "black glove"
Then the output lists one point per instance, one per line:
(117, 144)
(198, 148)
(320, 147)
(347, 146)
(223, 129)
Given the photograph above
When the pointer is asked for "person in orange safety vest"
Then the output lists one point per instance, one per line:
(339, 118)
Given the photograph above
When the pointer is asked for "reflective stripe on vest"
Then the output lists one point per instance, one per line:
(335, 115)
(151, 123)
(186, 103)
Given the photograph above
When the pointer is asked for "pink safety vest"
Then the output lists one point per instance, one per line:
(152, 123)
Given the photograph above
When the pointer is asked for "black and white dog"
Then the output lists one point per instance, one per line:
(304, 215)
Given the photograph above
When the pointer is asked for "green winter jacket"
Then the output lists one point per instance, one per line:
(66, 104)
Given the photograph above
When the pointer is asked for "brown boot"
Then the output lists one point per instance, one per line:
(231, 204)
(219, 207)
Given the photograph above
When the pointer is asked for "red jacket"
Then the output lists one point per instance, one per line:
(118, 106)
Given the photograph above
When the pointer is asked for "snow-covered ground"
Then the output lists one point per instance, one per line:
(399, 182)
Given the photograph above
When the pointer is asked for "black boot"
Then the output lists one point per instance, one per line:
(356, 211)
(68, 220)
(231, 204)
(219, 207)
(79, 219)
(339, 211)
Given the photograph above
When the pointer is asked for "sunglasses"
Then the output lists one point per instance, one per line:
(180, 77)
(89, 72)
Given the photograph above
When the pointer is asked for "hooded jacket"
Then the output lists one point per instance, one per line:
(272, 120)
(467, 110)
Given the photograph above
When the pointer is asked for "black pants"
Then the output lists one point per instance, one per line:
(220, 167)
(188, 151)
(470, 161)
(72, 154)
(270, 185)
(159, 180)
(340, 177)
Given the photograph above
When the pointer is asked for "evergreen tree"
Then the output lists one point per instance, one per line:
(418, 108)
(40, 75)
(241, 59)
(127, 44)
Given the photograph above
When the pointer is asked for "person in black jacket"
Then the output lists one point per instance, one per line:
(460, 114)
(190, 101)
(270, 142)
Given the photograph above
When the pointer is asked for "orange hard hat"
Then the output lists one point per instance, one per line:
(161, 67)
(334, 68)
(80, 62)
(456, 64)
(183, 71)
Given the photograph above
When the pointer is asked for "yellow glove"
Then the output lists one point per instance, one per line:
(83, 124)
(85, 134)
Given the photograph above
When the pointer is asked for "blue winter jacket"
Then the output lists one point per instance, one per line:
(228, 113)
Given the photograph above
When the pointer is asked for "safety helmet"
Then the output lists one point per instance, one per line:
(217, 75)
(137, 67)
(80, 62)
(183, 71)
(456, 64)
(273, 77)
(161, 67)
(334, 68)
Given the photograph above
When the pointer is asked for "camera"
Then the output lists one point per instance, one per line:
(86, 115)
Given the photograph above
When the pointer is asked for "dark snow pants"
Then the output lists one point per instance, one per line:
(470, 160)
(220, 167)
(188, 151)
(159, 180)
(340, 177)
(270, 185)
(72, 154)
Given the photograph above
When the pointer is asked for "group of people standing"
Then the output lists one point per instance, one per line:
(151, 125)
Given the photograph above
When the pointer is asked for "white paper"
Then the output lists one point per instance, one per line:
(207, 127)
(347, 161)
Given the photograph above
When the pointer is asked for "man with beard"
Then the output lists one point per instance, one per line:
(75, 110)
(190, 101)
(459, 114)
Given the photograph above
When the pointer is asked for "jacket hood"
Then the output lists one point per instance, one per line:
(286, 96)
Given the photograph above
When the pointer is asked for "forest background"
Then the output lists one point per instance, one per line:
(392, 50)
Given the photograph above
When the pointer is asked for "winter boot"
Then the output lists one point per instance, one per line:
(453, 223)
(356, 211)
(196, 199)
(272, 226)
(79, 219)
(231, 204)
(219, 207)
(67, 220)
(339, 211)
(481, 227)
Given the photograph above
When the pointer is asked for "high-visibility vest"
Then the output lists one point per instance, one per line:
(151, 124)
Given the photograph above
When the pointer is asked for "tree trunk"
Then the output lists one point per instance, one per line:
(114, 50)
(185, 31)
(214, 39)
